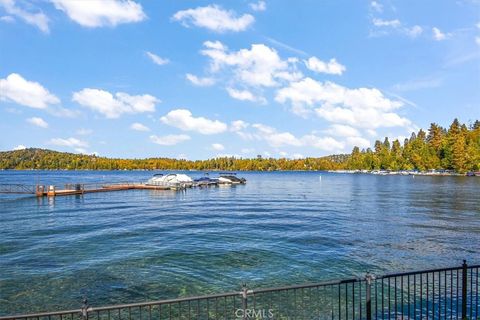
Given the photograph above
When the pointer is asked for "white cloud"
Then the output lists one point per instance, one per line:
(39, 19)
(39, 122)
(201, 82)
(439, 35)
(238, 125)
(68, 142)
(113, 106)
(414, 31)
(19, 147)
(331, 67)
(99, 13)
(375, 5)
(363, 107)
(27, 93)
(139, 127)
(218, 146)
(477, 40)
(247, 150)
(341, 130)
(386, 23)
(245, 95)
(258, 6)
(274, 138)
(156, 59)
(323, 143)
(183, 119)
(360, 142)
(214, 18)
(260, 66)
(169, 140)
(7, 19)
(81, 150)
(386, 26)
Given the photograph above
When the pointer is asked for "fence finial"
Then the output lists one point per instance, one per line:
(369, 277)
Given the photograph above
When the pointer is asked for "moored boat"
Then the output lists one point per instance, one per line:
(231, 179)
(170, 180)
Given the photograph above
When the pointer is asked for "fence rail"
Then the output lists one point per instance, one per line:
(447, 293)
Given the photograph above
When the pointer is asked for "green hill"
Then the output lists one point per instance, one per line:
(456, 148)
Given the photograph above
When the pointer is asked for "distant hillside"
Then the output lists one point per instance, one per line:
(33, 158)
(456, 148)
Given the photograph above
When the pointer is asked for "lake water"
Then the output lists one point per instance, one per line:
(279, 228)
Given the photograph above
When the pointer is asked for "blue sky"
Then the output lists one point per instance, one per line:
(199, 79)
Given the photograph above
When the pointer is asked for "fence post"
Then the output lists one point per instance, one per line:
(85, 309)
(244, 300)
(368, 300)
(464, 290)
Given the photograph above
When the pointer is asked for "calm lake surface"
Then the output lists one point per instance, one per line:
(279, 228)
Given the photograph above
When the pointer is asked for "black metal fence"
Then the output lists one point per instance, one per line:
(448, 293)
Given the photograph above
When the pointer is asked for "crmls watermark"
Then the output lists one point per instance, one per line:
(254, 313)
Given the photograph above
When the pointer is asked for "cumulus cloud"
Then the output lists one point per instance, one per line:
(214, 18)
(184, 120)
(139, 127)
(38, 19)
(68, 142)
(100, 13)
(279, 139)
(386, 23)
(414, 31)
(27, 93)
(341, 130)
(439, 35)
(157, 59)
(259, 66)
(245, 95)
(19, 147)
(331, 67)
(238, 125)
(360, 142)
(363, 107)
(323, 143)
(218, 146)
(169, 140)
(112, 106)
(258, 6)
(200, 82)
(375, 5)
(39, 122)
(276, 139)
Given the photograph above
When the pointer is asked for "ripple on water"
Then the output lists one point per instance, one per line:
(280, 228)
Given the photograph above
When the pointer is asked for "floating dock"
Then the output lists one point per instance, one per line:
(78, 188)
(81, 188)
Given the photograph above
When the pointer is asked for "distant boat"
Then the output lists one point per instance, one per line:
(172, 179)
(231, 179)
(205, 181)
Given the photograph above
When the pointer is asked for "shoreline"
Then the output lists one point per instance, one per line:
(434, 173)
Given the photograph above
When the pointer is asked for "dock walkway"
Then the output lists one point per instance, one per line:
(80, 188)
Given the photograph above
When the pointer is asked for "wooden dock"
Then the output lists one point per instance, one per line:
(79, 189)
(69, 189)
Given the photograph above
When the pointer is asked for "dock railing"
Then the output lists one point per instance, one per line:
(446, 293)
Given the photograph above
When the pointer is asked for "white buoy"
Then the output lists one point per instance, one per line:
(320, 178)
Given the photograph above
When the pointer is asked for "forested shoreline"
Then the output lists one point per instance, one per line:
(456, 148)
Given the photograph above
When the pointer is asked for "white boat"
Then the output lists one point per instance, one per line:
(170, 180)
(231, 179)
